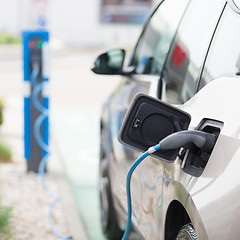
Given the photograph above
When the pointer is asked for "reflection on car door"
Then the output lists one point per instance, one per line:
(123, 156)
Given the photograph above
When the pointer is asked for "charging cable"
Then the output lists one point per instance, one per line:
(44, 113)
(202, 140)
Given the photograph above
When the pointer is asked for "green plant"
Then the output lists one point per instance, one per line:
(5, 226)
(5, 153)
(1, 110)
(6, 38)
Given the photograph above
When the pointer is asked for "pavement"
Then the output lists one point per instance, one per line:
(76, 97)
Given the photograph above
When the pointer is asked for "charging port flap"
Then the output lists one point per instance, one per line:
(150, 120)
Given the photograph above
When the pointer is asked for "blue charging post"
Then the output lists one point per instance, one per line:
(36, 109)
(35, 55)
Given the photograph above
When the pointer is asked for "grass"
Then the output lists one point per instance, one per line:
(5, 226)
(5, 212)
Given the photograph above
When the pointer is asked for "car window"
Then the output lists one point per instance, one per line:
(224, 55)
(187, 54)
(155, 41)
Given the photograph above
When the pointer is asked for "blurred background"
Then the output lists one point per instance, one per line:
(92, 23)
(78, 30)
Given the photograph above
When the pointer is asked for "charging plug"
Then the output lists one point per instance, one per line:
(204, 141)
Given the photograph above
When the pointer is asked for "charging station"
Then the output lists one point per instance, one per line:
(35, 51)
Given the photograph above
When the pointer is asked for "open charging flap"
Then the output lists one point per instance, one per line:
(148, 121)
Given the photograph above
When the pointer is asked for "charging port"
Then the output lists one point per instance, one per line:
(195, 159)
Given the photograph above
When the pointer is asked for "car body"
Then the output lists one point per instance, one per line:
(188, 55)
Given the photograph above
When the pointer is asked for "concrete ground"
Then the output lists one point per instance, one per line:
(76, 96)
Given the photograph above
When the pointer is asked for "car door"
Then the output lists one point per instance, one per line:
(148, 59)
(179, 82)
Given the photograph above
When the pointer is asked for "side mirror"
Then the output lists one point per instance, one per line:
(110, 62)
(148, 121)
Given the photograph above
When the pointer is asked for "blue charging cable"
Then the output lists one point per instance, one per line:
(37, 88)
(128, 186)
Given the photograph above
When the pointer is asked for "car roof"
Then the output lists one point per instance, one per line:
(235, 5)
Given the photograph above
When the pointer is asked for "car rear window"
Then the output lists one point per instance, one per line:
(187, 53)
(224, 55)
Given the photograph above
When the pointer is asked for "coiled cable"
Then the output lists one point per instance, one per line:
(44, 113)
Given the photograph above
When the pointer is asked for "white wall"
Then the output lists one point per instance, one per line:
(77, 22)
(15, 15)
(9, 16)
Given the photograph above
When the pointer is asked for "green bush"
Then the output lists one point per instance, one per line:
(6, 38)
(5, 153)
(5, 227)
(1, 111)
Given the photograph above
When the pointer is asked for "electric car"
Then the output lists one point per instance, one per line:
(188, 55)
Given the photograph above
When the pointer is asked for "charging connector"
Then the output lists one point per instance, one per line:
(204, 141)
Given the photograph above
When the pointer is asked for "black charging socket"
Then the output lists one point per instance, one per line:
(195, 159)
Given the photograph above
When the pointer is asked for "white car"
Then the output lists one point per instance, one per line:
(188, 55)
